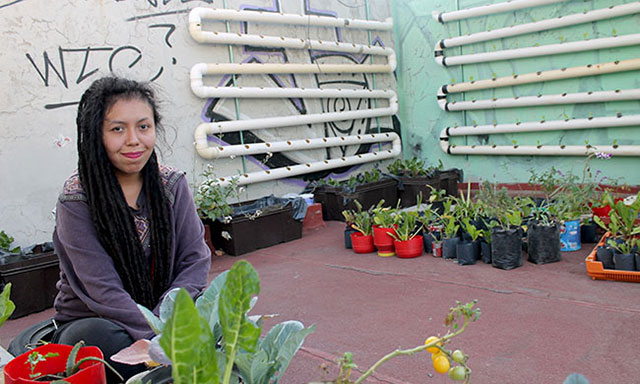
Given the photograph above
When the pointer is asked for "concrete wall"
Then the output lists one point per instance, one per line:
(419, 77)
(52, 50)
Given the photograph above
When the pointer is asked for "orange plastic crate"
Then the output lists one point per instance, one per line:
(596, 270)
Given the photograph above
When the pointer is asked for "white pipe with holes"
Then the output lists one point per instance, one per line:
(533, 101)
(540, 126)
(301, 169)
(539, 150)
(217, 152)
(545, 50)
(198, 14)
(542, 76)
(543, 25)
(489, 9)
(266, 69)
(296, 43)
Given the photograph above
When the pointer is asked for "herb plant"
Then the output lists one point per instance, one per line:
(211, 198)
(5, 243)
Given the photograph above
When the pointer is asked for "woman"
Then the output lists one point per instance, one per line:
(127, 230)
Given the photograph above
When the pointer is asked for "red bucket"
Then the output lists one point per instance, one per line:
(18, 370)
(383, 241)
(362, 243)
(409, 248)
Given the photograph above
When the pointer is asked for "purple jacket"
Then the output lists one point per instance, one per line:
(89, 285)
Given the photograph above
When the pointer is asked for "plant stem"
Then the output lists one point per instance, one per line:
(411, 351)
(229, 367)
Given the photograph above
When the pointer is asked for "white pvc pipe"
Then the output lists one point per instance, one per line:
(545, 50)
(540, 126)
(543, 25)
(295, 43)
(268, 68)
(217, 152)
(301, 169)
(489, 9)
(542, 76)
(200, 90)
(198, 14)
(531, 101)
(540, 150)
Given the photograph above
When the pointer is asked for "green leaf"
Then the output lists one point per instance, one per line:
(189, 344)
(166, 307)
(289, 339)
(154, 322)
(207, 303)
(235, 300)
(6, 305)
(254, 367)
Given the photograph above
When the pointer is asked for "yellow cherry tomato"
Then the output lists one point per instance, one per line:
(430, 340)
(441, 364)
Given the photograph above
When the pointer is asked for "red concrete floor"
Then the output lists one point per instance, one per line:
(539, 323)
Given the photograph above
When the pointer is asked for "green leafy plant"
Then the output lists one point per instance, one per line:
(214, 341)
(360, 220)
(5, 243)
(211, 197)
(471, 229)
(454, 361)
(626, 246)
(71, 368)
(385, 217)
(413, 167)
(409, 226)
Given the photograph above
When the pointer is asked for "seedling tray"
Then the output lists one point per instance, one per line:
(597, 271)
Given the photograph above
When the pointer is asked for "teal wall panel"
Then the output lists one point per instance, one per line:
(419, 78)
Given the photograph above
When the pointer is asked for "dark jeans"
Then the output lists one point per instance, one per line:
(101, 333)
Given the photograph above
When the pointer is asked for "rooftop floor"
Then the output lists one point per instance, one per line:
(539, 323)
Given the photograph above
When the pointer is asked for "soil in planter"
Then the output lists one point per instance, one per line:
(506, 248)
(543, 243)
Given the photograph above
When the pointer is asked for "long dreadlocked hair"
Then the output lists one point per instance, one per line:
(114, 222)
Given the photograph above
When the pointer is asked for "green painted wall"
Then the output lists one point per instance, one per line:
(419, 78)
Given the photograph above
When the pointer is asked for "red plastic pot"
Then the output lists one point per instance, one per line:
(18, 370)
(383, 241)
(409, 248)
(362, 243)
(604, 211)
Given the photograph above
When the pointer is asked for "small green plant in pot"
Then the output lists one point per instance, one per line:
(467, 252)
(450, 229)
(362, 224)
(211, 197)
(408, 242)
(385, 221)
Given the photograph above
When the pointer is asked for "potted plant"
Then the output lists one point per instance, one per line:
(468, 251)
(244, 227)
(450, 229)
(414, 177)
(623, 228)
(367, 187)
(506, 237)
(349, 217)
(385, 221)
(543, 233)
(362, 224)
(407, 241)
(214, 340)
(58, 363)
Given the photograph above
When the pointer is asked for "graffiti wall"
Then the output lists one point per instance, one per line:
(52, 51)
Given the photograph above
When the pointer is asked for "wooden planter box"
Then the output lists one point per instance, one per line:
(449, 180)
(412, 186)
(273, 226)
(33, 279)
(334, 200)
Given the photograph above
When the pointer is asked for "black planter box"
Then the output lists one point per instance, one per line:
(412, 186)
(33, 279)
(334, 200)
(273, 226)
(449, 180)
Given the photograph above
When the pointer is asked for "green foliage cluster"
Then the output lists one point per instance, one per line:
(359, 219)
(211, 197)
(413, 167)
(214, 340)
(5, 243)
(353, 181)
(622, 223)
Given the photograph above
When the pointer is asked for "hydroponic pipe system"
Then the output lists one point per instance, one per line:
(540, 126)
(542, 76)
(301, 169)
(199, 13)
(543, 25)
(539, 100)
(538, 150)
(545, 50)
(489, 9)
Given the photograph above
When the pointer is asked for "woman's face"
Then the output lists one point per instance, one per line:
(129, 135)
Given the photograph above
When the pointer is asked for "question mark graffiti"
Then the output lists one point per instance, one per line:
(172, 29)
